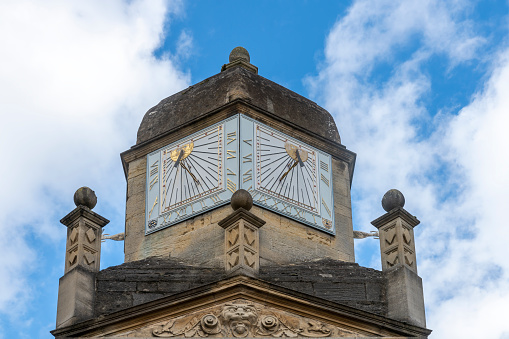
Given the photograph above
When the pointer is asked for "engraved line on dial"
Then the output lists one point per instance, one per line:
(154, 170)
(296, 185)
(198, 176)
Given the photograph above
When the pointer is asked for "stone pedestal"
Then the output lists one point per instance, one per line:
(84, 231)
(82, 260)
(396, 232)
(242, 242)
(404, 287)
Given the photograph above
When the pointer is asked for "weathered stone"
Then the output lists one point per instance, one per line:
(86, 197)
(405, 297)
(236, 83)
(393, 199)
(76, 295)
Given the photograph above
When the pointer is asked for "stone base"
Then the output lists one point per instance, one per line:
(405, 296)
(76, 291)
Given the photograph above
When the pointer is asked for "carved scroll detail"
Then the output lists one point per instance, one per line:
(241, 319)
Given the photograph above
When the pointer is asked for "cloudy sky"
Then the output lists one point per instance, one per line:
(419, 90)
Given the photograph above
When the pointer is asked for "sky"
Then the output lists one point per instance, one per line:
(418, 89)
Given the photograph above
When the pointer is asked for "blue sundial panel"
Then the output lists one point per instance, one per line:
(202, 171)
(193, 175)
(286, 175)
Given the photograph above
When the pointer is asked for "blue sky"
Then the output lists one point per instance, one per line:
(418, 90)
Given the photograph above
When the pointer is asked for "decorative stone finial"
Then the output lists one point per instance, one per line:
(242, 198)
(239, 53)
(392, 199)
(86, 197)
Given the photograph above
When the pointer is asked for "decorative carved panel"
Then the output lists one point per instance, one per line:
(240, 319)
(73, 237)
(90, 235)
(397, 244)
(83, 239)
(241, 246)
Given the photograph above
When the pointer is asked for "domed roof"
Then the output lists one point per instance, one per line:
(238, 80)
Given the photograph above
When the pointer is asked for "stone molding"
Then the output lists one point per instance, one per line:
(242, 106)
(159, 312)
(240, 63)
(398, 212)
(243, 214)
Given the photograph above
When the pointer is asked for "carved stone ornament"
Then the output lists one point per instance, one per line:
(241, 319)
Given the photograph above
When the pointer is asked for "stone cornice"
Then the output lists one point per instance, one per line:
(241, 214)
(246, 288)
(398, 212)
(241, 106)
(83, 211)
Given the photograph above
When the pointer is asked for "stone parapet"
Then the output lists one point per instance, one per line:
(132, 283)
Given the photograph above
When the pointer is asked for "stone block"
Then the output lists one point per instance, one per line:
(136, 185)
(116, 286)
(137, 167)
(141, 298)
(76, 292)
(405, 299)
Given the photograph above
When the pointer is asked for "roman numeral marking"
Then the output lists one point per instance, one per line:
(248, 158)
(324, 166)
(299, 212)
(230, 172)
(231, 154)
(203, 204)
(154, 169)
(215, 198)
(249, 142)
(181, 212)
(166, 218)
(314, 219)
(324, 179)
(231, 137)
(248, 175)
(231, 185)
(154, 205)
(153, 182)
(264, 197)
(275, 205)
(287, 208)
(326, 207)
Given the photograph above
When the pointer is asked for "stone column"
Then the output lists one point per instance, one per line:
(82, 260)
(404, 287)
(242, 241)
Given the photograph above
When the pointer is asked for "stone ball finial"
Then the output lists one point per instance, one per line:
(242, 198)
(392, 199)
(239, 53)
(86, 197)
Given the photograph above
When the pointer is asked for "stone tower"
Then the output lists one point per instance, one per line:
(239, 224)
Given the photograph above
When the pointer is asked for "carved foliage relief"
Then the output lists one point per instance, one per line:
(241, 319)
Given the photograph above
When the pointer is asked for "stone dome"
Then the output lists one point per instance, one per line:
(233, 83)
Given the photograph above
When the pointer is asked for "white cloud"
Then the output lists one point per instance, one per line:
(452, 166)
(76, 78)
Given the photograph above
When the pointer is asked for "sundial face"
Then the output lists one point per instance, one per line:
(286, 175)
(191, 175)
(201, 172)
